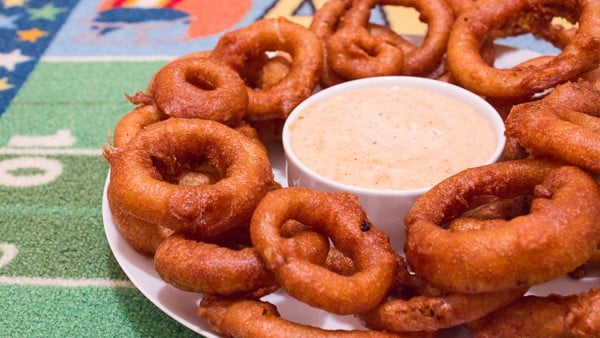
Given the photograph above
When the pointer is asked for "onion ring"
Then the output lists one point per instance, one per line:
(340, 217)
(267, 69)
(484, 261)
(201, 87)
(235, 48)
(324, 24)
(265, 73)
(355, 53)
(143, 236)
(431, 309)
(231, 318)
(474, 26)
(565, 125)
(213, 268)
(550, 316)
(140, 170)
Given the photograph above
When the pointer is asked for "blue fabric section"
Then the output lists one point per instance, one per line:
(27, 31)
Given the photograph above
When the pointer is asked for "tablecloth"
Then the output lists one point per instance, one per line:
(65, 66)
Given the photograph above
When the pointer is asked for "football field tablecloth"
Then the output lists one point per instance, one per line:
(65, 67)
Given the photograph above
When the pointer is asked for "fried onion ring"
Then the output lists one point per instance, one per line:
(340, 217)
(550, 316)
(230, 318)
(355, 53)
(431, 309)
(324, 24)
(558, 234)
(236, 269)
(565, 125)
(474, 27)
(237, 47)
(143, 176)
(265, 73)
(201, 87)
(267, 69)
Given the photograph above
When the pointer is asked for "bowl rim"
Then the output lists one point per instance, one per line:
(449, 89)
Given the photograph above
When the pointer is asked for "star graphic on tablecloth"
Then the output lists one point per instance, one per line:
(8, 22)
(13, 3)
(48, 12)
(10, 60)
(4, 85)
(31, 35)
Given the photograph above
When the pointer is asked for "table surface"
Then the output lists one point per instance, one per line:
(64, 68)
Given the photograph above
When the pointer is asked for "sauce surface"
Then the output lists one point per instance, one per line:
(391, 138)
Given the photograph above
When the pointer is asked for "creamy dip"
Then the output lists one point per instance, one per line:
(391, 137)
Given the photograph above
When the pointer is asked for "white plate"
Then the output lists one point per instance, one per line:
(182, 306)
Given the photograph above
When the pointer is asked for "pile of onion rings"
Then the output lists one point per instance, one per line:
(355, 48)
(191, 185)
(254, 75)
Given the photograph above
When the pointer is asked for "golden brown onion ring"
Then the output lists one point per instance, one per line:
(430, 309)
(324, 24)
(565, 125)
(355, 53)
(558, 234)
(340, 217)
(201, 87)
(549, 316)
(265, 73)
(475, 26)
(249, 318)
(143, 176)
(232, 270)
(237, 47)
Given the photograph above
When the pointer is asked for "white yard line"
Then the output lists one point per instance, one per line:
(9, 251)
(50, 151)
(64, 282)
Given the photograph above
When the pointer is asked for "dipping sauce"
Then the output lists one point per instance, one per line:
(391, 138)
